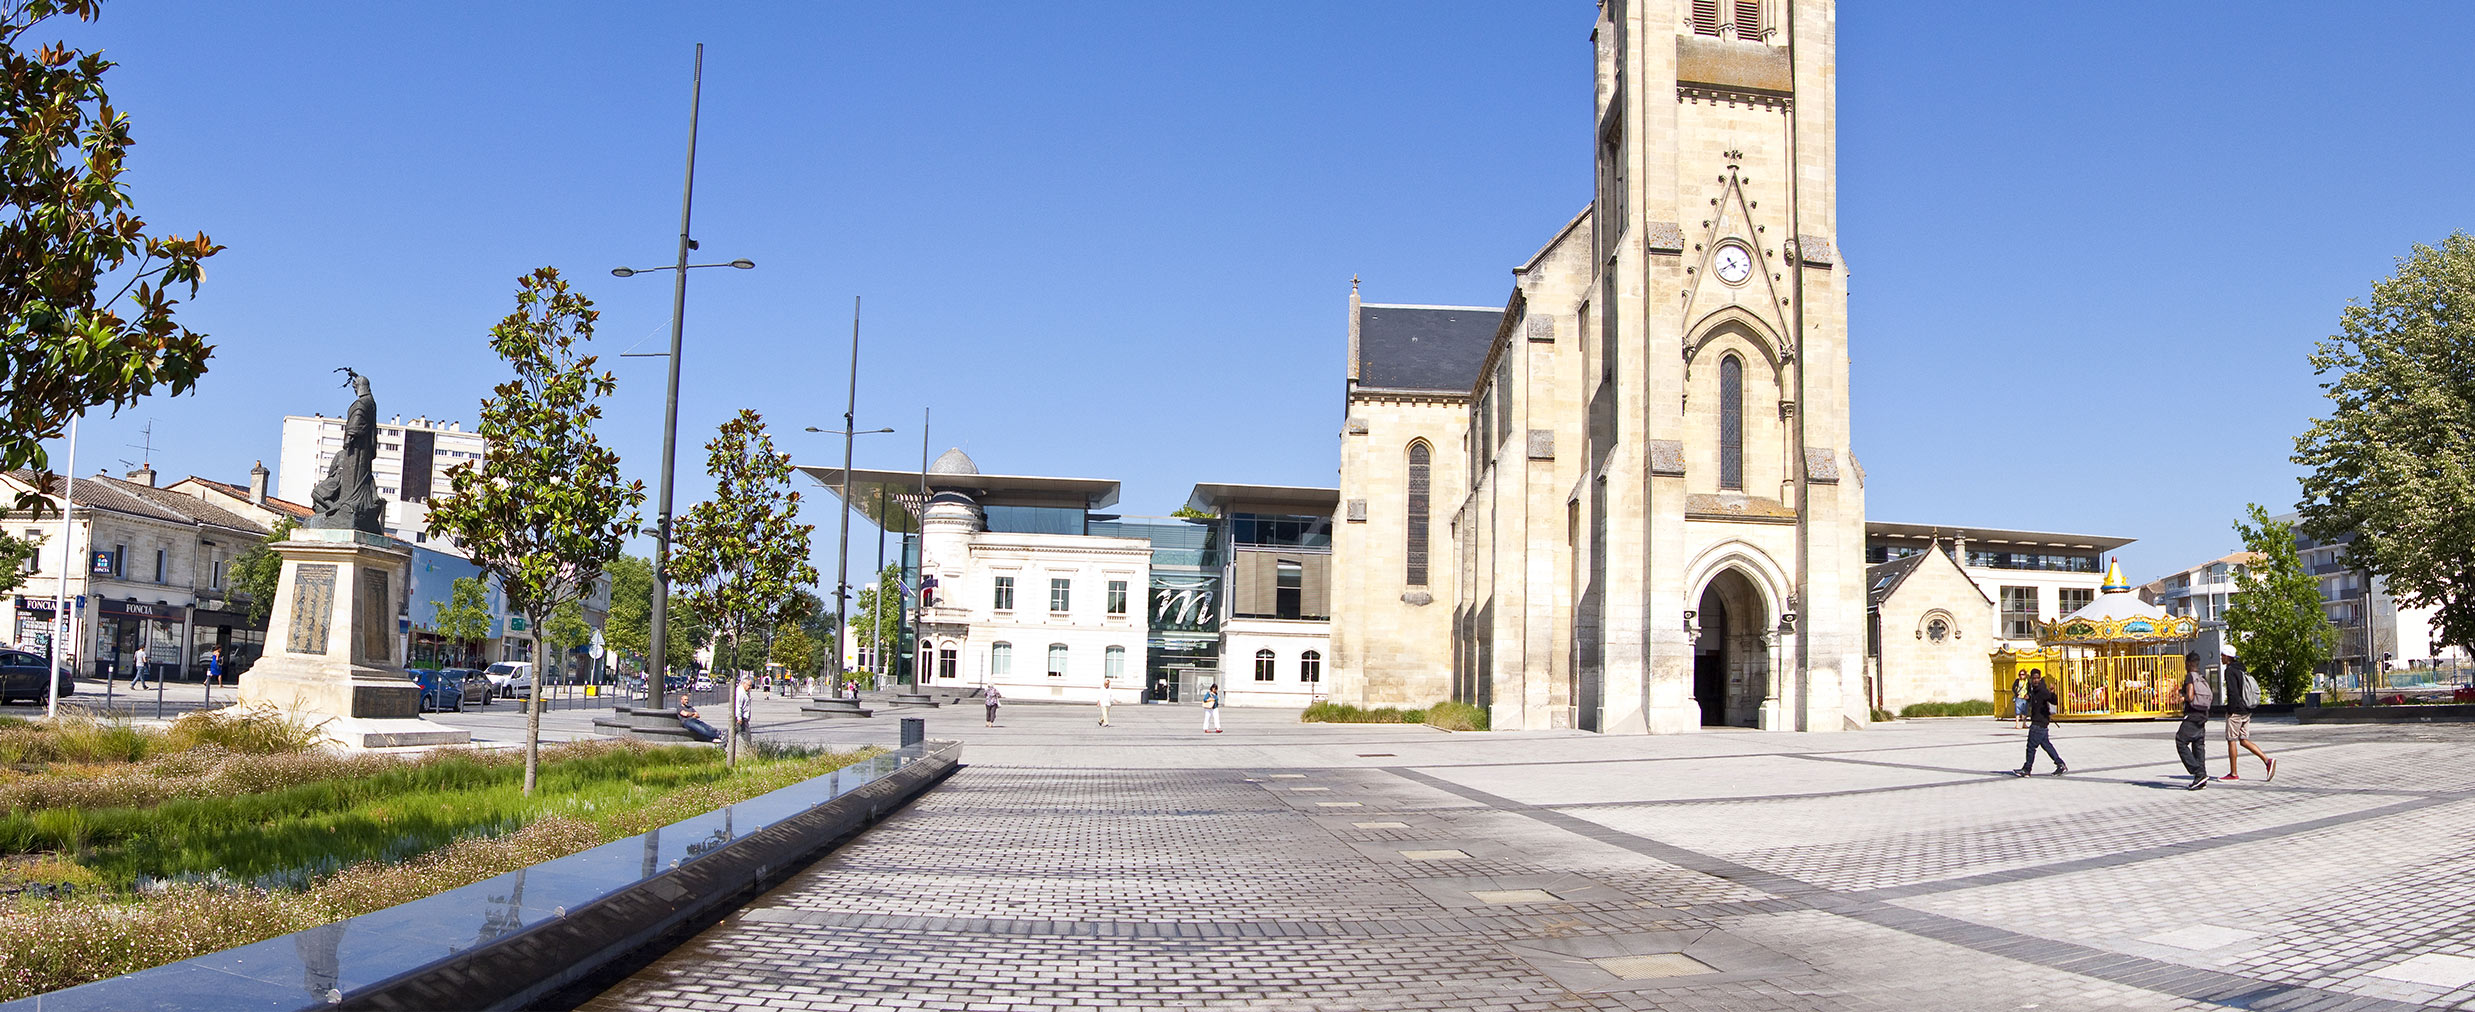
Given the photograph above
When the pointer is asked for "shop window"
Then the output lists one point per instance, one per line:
(1265, 665)
(1310, 666)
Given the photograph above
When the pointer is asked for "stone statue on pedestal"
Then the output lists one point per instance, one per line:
(347, 498)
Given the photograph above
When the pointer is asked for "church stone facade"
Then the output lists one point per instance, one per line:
(1625, 501)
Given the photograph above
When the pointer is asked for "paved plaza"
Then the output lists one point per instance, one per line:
(1288, 866)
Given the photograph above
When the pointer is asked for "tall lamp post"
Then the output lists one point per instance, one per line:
(660, 643)
(842, 553)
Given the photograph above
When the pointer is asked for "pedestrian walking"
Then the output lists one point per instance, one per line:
(2040, 731)
(137, 677)
(214, 666)
(2191, 739)
(2242, 693)
(990, 697)
(2019, 700)
(1211, 708)
(1104, 702)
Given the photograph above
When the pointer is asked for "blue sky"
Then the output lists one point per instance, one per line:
(2089, 244)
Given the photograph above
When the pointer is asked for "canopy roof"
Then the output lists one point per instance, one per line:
(2117, 616)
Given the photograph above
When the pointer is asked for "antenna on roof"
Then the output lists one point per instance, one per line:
(146, 449)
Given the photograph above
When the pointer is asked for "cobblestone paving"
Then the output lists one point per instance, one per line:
(1283, 866)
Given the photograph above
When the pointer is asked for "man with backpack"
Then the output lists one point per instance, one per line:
(2241, 694)
(2191, 740)
(2041, 702)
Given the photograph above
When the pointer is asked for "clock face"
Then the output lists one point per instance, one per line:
(1734, 264)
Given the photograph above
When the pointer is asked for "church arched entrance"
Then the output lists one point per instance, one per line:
(1731, 653)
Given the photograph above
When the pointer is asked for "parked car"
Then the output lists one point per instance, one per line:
(440, 691)
(476, 683)
(22, 676)
(512, 679)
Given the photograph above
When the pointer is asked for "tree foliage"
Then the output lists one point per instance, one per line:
(15, 552)
(545, 511)
(464, 618)
(2275, 618)
(880, 608)
(85, 293)
(742, 556)
(2394, 462)
(795, 650)
(258, 572)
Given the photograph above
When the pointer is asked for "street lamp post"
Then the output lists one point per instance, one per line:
(842, 552)
(660, 644)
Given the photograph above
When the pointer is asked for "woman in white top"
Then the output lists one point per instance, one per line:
(1211, 708)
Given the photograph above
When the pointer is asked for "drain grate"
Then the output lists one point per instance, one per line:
(1653, 966)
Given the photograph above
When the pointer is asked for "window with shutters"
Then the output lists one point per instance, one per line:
(1732, 423)
(1264, 665)
(1310, 666)
(1421, 466)
(1728, 19)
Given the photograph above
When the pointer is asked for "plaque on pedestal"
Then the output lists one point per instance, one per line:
(330, 657)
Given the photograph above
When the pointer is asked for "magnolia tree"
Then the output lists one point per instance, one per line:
(545, 511)
(743, 555)
(85, 292)
(2394, 462)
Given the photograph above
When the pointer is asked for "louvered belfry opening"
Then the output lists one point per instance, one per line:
(1732, 423)
(1421, 463)
(1738, 19)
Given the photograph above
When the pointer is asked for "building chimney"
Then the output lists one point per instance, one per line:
(1959, 545)
(257, 483)
(144, 475)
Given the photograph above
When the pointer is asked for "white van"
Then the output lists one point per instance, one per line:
(511, 679)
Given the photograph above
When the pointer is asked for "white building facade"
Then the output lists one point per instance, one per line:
(412, 464)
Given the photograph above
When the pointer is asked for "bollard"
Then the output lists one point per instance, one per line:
(914, 731)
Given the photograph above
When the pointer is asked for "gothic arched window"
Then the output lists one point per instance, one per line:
(1732, 423)
(1421, 464)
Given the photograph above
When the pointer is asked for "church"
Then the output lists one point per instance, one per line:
(1625, 500)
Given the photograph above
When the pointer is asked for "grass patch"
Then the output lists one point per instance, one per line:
(1456, 717)
(1963, 708)
(181, 853)
(80, 738)
(1449, 716)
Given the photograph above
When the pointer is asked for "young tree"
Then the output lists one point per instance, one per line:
(15, 552)
(2394, 463)
(795, 650)
(85, 293)
(546, 509)
(2275, 618)
(880, 608)
(743, 555)
(258, 572)
(564, 632)
(465, 617)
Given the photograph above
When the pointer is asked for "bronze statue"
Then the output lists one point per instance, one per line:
(347, 498)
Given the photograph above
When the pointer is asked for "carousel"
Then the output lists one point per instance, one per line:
(2117, 658)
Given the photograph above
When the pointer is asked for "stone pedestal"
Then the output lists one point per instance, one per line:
(330, 652)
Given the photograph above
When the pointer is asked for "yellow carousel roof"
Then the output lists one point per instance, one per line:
(2117, 616)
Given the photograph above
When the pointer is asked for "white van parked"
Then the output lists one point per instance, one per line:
(511, 679)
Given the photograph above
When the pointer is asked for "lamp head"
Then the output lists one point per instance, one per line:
(744, 264)
(623, 272)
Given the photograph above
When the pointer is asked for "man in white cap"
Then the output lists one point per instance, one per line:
(2241, 693)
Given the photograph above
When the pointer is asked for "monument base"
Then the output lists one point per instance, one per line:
(330, 658)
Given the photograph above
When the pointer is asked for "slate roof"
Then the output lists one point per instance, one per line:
(1424, 347)
(1882, 578)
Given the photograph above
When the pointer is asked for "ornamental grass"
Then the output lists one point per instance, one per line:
(123, 848)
